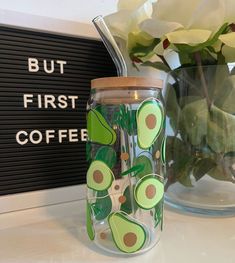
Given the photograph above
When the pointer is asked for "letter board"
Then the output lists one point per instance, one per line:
(44, 87)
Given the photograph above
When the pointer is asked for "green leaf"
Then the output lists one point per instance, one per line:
(183, 175)
(217, 82)
(137, 169)
(225, 94)
(143, 47)
(185, 58)
(215, 137)
(207, 57)
(175, 148)
(157, 65)
(127, 206)
(221, 128)
(173, 110)
(179, 160)
(187, 100)
(202, 167)
(194, 121)
(107, 155)
(184, 48)
(224, 171)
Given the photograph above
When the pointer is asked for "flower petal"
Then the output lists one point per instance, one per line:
(159, 50)
(158, 28)
(229, 54)
(179, 11)
(190, 37)
(228, 39)
(217, 46)
(229, 9)
(208, 15)
(118, 23)
(127, 20)
(130, 4)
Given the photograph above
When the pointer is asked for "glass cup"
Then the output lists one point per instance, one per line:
(126, 155)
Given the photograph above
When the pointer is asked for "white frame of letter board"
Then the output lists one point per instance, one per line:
(15, 202)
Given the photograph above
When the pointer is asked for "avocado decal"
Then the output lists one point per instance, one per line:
(99, 130)
(99, 176)
(89, 225)
(149, 191)
(128, 236)
(150, 119)
(103, 205)
(147, 165)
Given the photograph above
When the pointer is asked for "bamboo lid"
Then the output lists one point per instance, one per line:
(126, 82)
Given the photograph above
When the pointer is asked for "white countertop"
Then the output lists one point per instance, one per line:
(57, 234)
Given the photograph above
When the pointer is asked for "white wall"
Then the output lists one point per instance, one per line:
(74, 10)
(72, 17)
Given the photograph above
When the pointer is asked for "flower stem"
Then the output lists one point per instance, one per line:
(202, 77)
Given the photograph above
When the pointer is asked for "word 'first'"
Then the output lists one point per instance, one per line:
(50, 101)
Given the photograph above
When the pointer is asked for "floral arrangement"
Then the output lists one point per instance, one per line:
(175, 35)
(190, 30)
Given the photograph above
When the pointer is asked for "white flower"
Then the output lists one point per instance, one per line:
(124, 26)
(130, 14)
(198, 24)
(228, 50)
(187, 22)
(229, 10)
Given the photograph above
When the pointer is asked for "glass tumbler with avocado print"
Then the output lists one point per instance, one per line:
(126, 154)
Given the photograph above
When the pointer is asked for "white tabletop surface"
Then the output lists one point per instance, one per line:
(57, 234)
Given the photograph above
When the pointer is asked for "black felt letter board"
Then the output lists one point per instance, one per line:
(44, 88)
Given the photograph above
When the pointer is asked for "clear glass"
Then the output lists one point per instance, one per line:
(125, 177)
(200, 129)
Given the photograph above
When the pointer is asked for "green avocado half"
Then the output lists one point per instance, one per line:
(99, 130)
(149, 191)
(99, 176)
(150, 119)
(128, 235)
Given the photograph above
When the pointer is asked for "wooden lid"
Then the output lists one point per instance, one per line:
(126, 82)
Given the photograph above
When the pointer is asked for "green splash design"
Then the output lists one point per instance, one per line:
(107, 155)
(126, 119)
(103, 205)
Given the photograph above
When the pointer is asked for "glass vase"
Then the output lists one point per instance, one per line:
(200, 129)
